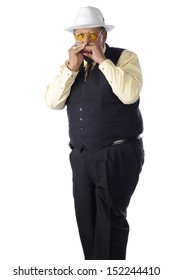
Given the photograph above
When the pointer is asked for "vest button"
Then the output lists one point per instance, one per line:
(81, 119)
(80, 109)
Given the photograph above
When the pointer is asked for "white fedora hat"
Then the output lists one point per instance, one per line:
(89, 17)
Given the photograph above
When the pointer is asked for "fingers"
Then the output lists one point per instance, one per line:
(77, 47)
(94, 52)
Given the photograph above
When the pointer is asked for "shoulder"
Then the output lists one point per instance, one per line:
(121, 51)
(113, 50)
(128, 56)
(113, 53)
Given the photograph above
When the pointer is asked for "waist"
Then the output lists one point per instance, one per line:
(128, 140)
(116, 142)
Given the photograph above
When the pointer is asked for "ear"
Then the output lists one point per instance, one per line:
(103, 38)
(104, 35)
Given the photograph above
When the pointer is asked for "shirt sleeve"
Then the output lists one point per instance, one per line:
(58, 90)
(125, 78)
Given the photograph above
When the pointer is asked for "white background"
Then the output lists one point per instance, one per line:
(37, 221)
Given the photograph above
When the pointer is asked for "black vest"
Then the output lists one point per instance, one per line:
(96, 116)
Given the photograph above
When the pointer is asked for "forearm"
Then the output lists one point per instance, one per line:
(125, 78)
(58, 90)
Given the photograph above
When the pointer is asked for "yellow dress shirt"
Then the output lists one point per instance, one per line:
(125, 79)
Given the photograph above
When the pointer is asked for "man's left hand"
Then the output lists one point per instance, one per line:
(95, 52)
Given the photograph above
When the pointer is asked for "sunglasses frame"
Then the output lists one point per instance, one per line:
(88, 34)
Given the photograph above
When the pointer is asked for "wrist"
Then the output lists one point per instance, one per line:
(72, 67)
(101, 60)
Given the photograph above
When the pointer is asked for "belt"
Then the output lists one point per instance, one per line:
(127, 140)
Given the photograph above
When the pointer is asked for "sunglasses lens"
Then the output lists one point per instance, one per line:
(93, 36)
(79, 37)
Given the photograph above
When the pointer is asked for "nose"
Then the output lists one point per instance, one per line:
(86, 38)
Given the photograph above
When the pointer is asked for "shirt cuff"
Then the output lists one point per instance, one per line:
(70, 74)
(105, 65)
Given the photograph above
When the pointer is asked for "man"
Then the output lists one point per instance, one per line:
(105, 127)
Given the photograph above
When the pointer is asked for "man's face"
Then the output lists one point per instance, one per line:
(90, 36)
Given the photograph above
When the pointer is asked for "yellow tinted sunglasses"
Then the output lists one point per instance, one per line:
(92, 36)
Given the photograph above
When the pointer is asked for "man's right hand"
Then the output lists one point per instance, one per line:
(75, 56)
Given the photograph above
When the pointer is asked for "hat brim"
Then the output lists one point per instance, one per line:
(107, 27)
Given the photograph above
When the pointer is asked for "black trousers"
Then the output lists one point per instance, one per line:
(103, 183)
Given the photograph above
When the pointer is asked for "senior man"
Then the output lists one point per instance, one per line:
(100, 87)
